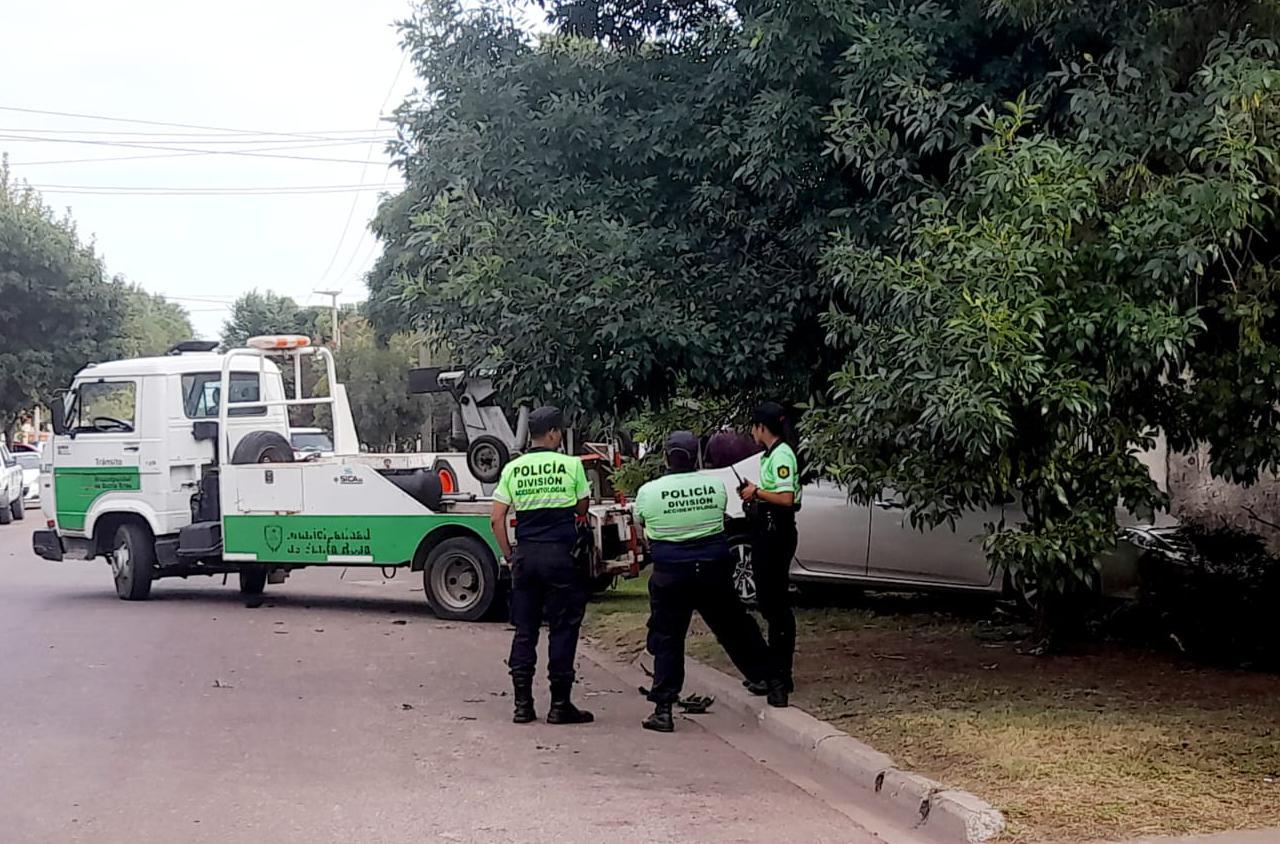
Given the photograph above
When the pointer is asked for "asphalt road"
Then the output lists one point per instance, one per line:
(339, 711)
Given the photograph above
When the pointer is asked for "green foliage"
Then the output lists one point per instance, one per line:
(605, 223)
(1031, 233)
(57, 310)
(152, 324)
(1083, 282)
(377, 381)
(255, 314)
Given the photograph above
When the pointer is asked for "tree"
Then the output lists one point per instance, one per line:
(57, 311)
(255, 314)
(1095, 271)
(377, 381)
(996, 243)
(152, 324)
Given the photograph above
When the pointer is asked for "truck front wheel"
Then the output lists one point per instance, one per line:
(133, 561)
(460, 579)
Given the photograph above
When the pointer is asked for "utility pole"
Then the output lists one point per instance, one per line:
(333, 299)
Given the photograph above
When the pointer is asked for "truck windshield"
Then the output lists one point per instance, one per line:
(200, 394)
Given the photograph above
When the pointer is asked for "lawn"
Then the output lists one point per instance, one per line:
(1105, 742)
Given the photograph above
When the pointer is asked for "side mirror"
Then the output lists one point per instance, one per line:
(58, 414)
(204, 431)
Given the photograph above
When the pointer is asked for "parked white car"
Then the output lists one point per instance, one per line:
(10, 487)
(310, 442)
(29, 460)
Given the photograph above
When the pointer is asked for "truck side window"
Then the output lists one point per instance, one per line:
(105, 407)
(200, 397)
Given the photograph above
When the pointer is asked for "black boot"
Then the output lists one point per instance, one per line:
(777, 693)
(564, 712)
(524, 704)
(756, 687)
(660, 721)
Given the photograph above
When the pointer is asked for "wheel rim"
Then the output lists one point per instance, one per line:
(121, 563)
(457, 582)
(744, 577)
(486, 458)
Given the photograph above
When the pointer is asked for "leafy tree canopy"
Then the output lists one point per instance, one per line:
(998, 243)
(57, 309)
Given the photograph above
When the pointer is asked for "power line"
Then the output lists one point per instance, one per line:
(280, 143)
(187, 136)
(120, 190)
(149, 156)
(352, 210)
(156, 122)
(188, 149)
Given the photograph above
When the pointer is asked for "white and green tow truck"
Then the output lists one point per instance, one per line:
(181, 465)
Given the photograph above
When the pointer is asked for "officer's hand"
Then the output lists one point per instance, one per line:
(747, 491)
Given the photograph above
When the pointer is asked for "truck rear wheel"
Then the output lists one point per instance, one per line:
(460, 579)
(6, 512)
(133, 561)
(253, 581)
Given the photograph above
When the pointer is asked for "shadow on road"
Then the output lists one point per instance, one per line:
(291, 601)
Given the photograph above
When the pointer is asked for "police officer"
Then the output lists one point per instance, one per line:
(548, 491)
(683, 519)
(772, 505)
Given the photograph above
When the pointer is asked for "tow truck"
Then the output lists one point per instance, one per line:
(181, 466)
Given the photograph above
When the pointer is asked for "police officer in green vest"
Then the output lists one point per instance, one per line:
(548, 491)
(682, 515)
(772, 505)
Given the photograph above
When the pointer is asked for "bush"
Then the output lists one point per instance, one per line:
(1217, 601)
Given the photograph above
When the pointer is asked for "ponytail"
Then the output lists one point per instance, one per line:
(777, 421)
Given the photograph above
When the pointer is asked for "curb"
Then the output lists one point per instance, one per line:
(944, 814)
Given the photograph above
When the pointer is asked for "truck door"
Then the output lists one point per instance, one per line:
(101, 455)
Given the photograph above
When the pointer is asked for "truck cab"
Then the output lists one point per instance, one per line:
(127, 444)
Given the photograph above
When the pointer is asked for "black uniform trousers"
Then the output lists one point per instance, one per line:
(546, 585)
(773, 547)
(676, 590)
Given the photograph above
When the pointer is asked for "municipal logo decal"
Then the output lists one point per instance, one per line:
(274, 535)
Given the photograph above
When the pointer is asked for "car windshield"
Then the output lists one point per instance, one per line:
(311, 441)
(27, 459)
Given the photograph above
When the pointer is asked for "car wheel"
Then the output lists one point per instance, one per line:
(460, 579)
(485, 458)
(744, 576)
(6, 512)
(133, 562)
(18, 512)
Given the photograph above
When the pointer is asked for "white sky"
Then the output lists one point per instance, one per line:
(298, 66)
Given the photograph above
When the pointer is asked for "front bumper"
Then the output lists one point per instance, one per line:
(47, 544)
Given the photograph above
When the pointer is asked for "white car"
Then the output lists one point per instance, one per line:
(307, 442)
(30, 463)
(11, 487)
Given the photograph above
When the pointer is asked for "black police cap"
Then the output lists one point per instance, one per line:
(544, 420)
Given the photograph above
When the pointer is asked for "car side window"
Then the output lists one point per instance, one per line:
(106, 407)
(200, 394)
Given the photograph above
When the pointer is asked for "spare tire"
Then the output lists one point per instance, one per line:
(262, 447)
